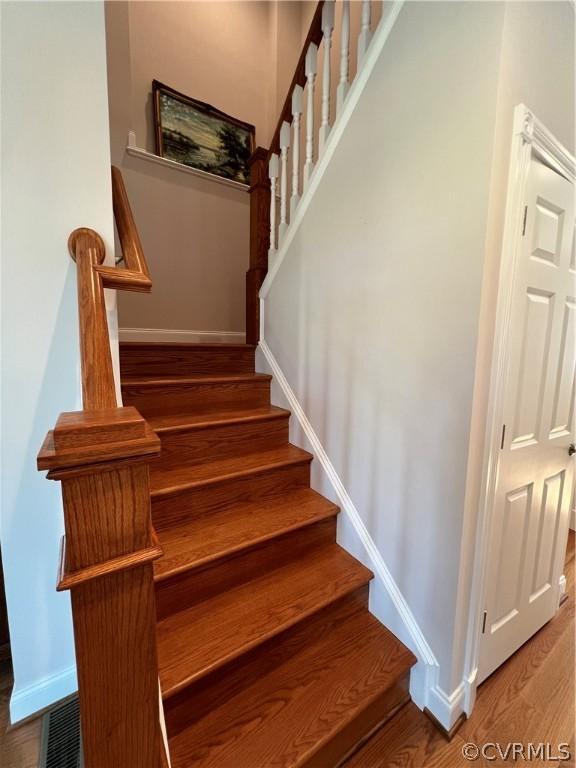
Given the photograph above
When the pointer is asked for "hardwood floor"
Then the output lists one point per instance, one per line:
(529, 699)
(19, 747)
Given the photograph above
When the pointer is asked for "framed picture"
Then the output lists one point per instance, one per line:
(200, 136)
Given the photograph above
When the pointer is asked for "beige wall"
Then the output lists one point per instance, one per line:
(195, 232)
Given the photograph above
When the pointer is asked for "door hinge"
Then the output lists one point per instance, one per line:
(503, 436)
(524, 221)
(484, 622)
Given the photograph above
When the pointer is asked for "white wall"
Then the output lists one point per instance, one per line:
(374, 321)
(383, 322)
(55, 177)
(536, 69)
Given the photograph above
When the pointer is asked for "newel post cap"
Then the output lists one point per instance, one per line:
(83, 439)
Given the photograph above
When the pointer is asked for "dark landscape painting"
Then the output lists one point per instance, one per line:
(198, 135)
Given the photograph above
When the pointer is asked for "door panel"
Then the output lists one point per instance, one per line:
(535, 473)
(563, 407)
(535, 342)
(514, 537)
(546, 534)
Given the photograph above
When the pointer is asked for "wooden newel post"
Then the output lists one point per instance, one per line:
(101, 458)
(259, 240)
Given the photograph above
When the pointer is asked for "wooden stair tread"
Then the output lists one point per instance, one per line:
(177, 422)
(168, 481)
(201, 638)
(205, 538)
(283, 718)
(206, 378)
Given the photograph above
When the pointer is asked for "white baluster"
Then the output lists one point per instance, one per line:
(327, 27)
(343, 84)
(296, 112)
(284, 146)
(310, 69)
(365, 35)
(273, 175)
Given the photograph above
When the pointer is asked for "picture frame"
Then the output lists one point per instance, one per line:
(198, 135)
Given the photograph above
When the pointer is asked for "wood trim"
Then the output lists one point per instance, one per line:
(107, 565)
(314, 36)
(69, 579)
(88, 251)
(65, 462)
(101, 456)
(98, 388)
(259, 240)
(127, 233)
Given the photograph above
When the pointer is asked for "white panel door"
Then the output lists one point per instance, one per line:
(535, 469)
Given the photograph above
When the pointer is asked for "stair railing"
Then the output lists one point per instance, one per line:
(101, 456)
(281, 174)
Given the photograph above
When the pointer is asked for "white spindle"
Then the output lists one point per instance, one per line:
(343, 84)
(311, 69)
(365, 35)
(296, 113)
(327, 27)
(284, 146)
(273, 174)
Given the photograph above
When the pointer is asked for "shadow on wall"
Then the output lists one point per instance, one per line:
(36, 528)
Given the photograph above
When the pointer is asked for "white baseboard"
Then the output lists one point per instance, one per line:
(32, 699)
(424, 687)
(186, 337)
(446, 708)
(573, 519)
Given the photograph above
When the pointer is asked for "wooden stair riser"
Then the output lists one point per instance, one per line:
(345, 742)
(198, 584)
(217, 441)
(176, 508)
(204, 539)
(191, 398)
(172, 360)
(232, 679)
(304, 711)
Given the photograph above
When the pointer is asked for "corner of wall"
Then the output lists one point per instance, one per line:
(37, 697)
(386, 601)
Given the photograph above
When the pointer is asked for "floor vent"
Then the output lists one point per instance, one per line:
(61, 745)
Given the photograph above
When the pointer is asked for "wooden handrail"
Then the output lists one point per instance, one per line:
(98, 389)
(314, 36)
(101, 456)
(128, 234)
(87, 249)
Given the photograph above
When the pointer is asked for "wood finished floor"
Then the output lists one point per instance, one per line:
(529, 699)
(19, 747)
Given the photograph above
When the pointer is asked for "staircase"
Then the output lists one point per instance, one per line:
(267, 653)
